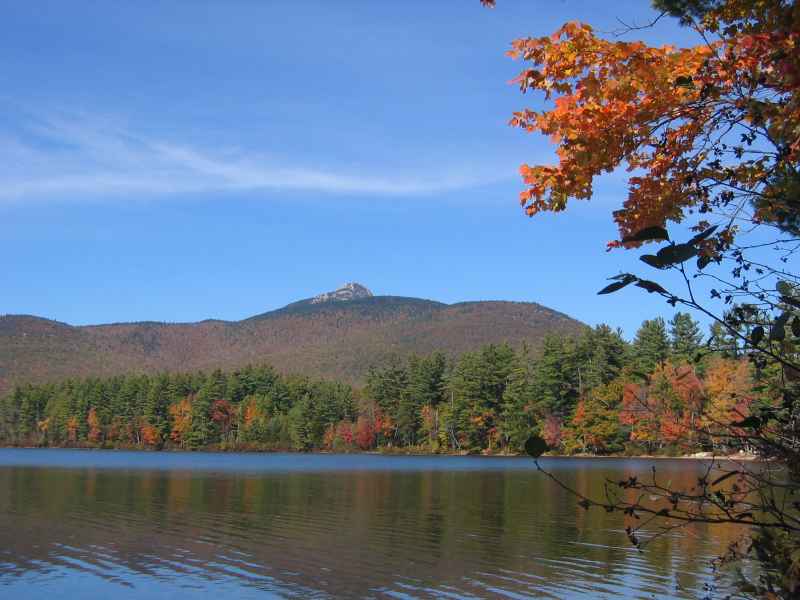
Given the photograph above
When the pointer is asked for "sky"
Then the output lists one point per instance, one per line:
(183, 160)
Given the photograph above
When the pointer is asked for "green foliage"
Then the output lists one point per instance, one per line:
(685, 337)
(595, 425)
(686, 10)
(518, 402)
(779, 554)
(569, 391)
(650, 346)
(476, 386)
(556, 378)
(723, 342)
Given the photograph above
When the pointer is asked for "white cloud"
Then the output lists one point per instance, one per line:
(76, 156)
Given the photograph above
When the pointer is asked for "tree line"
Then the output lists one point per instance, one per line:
(595, 393)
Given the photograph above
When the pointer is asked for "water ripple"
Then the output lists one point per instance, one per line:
(309, 529)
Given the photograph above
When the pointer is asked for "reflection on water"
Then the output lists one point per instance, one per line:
(125, 524)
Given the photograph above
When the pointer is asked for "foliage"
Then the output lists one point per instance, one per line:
(685, 337)
(711, 134)
(701, 127)
(596, 426)
(576, 393)
(651, 345)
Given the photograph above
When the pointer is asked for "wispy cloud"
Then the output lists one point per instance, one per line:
(65, 157)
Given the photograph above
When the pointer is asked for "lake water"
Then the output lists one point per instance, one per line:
(106, 524)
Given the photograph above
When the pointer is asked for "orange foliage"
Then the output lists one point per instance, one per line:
(95, 433)
(329, 437)
(665, 410)
(150, 435)
(729, 389)
(43, 426)
(652, 110)
(181, 413)
(384, 424)
(72, 429)
(365, 433)
(595, 423)
(251, 412)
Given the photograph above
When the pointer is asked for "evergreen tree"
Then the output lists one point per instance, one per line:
(723, 341)
(518, 401)
(424, 393)
(156, 409)
(202, 429)
(600, 354)
(477, 385)
(650, 346)
(686, 338)
(305, 426)
(555, 378)
(388, 388)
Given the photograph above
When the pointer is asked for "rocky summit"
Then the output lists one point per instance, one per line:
(349, 291)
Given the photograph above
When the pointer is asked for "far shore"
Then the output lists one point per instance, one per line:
(705, 456)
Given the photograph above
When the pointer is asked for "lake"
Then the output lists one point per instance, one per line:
(113, 524)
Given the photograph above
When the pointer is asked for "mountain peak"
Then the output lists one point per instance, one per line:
(349, 291)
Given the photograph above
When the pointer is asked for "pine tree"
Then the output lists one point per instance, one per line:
(555, 379)
(386, 386)
(517, 421)
(202, 430)
(425, 389)
(477, 385)
(723, 341)
(650, 346)
(600, 355)
(156, 409)
(686, 338)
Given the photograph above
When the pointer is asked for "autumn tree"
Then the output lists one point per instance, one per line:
(95, 433)
(181, 416)
(365, 433)
(223, 414)
(72, 429)
(729, 390)
(595, 425)
(710, 138)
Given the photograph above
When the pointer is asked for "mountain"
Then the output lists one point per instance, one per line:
(338, 334)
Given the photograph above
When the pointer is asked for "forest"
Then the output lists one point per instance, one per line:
(669, 391)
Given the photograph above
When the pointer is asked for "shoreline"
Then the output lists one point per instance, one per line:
(702, 456)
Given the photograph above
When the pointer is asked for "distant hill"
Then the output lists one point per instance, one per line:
(339, 334)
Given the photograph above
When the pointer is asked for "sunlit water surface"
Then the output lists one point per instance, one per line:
(97, 524)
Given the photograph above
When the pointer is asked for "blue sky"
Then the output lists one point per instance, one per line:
(183, 160)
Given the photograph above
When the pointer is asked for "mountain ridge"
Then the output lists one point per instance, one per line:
(338, 338)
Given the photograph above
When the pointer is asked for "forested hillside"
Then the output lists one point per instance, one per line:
(325, 336)
(592, 392)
